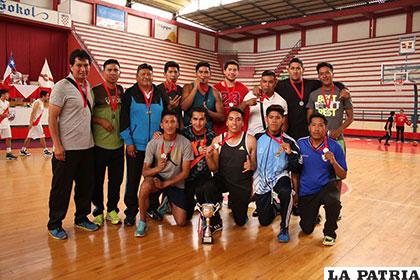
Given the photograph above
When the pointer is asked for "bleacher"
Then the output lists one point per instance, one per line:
(132, 50)
(357, 64)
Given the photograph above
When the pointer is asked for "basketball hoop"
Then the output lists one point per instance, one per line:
(398, 83)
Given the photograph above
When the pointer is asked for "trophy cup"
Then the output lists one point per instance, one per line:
(208, 210)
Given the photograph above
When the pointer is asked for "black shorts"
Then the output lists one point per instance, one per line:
(175, 195)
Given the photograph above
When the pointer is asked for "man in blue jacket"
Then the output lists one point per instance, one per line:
(277, 155)
(141, 110)
(323, 162)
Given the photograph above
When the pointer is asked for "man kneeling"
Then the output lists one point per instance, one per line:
(277, 155)
(172, 155)
(323, 160)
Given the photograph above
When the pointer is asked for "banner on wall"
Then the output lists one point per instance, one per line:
(165, 31)
(110, 17)
(16, 9)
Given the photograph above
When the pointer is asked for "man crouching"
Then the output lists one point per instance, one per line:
(166, 166)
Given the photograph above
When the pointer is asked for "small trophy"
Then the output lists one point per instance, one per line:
(208, 210)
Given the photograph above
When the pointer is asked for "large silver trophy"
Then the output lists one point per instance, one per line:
(208, 210)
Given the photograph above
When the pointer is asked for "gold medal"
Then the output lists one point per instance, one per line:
(278, 153)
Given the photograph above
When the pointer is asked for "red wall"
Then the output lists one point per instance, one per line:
(95, 76)
(30, 46)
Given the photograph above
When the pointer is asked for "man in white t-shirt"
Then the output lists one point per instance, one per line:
(258, 105)
(36, 131)
(5, 131)
(16, 78)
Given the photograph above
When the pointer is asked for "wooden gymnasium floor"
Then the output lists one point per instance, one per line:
(380, 227)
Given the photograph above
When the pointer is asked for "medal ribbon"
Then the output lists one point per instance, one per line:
(228, 138)
(84, 96)
(169, 87)
(148, 101)
(280, 141)
(204, 87)
(195, 149)
(302, 91)
(325, 97)
(323, 145)
(113, 102)
(171, 148)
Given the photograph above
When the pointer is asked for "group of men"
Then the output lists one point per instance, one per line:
(194, 143)
(35, 131)
(399, 121)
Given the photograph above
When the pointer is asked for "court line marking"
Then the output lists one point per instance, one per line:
(386, 201)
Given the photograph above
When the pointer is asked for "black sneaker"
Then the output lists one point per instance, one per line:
(129, 221)
(295, 211)
(47, 153)
(255, 213)
(24, 153)
(154, 214)
(10, 156)
(217, 227)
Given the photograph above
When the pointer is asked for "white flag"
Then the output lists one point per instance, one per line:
(45, 78)
(10, 65)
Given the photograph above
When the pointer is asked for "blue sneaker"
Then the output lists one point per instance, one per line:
(58, 233)
(141, 229)
(87, 226)
(164, 207)
(283, 236)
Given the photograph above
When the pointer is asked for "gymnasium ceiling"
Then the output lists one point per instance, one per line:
(250, 18)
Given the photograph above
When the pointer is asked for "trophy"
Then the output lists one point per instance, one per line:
(207, 210)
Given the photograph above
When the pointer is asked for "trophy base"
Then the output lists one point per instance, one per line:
(207, 240)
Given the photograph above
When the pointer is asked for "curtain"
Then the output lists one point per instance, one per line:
(30, 46)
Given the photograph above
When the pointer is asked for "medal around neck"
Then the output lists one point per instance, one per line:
(325, 150)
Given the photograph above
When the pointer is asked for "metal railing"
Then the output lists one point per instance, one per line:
(376, 115)
(282, 65)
